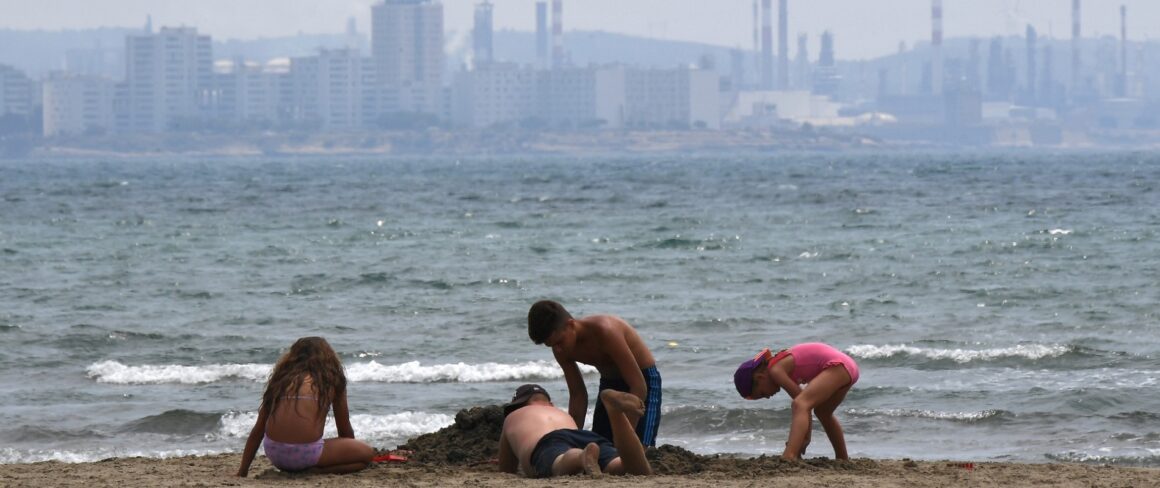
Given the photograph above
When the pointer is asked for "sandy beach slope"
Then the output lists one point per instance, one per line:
(218, 471)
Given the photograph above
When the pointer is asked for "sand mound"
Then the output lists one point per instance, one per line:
(474, 440)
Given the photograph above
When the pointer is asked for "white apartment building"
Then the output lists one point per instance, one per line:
(168, 79)
(328, 89)
(407, 51)
(495, 93)
(672, 98)
(592, 97)
(246, 93)
(78, 104)
(18, 93)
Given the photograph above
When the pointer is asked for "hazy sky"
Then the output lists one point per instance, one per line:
(863, 28)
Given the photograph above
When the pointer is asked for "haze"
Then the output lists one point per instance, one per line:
(863, 29)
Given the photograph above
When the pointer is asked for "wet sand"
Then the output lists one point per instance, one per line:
(462, 454)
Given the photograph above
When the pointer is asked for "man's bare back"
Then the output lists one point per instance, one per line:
(523, 429)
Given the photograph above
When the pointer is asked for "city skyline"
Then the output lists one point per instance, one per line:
(856, 30)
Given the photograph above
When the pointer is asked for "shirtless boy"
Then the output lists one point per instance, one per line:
(618, 353)
(540, 440)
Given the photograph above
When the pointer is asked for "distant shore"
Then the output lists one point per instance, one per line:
(218, 470)
(441, 143)
(470, 143)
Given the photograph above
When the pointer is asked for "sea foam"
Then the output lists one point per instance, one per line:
(926, 414)
(410, 372)
(1026, 351)
(394, 427)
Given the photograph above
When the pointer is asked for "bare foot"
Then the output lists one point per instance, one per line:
(592, 460)
(623, 402)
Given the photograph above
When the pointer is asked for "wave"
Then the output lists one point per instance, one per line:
(40, 434)
(415, 372)
(376, 429)
(178, 421)
(1023, 351)
(115, 372)
(968, 417)
(1149, 458)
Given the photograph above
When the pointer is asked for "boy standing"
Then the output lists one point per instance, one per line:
(618, 353)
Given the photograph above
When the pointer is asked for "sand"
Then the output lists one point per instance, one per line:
(461, 454)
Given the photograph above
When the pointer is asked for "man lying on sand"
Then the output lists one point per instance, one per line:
(540, 440)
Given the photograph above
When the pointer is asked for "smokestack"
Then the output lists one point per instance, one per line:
(1075, 61)
(542, 33)
(936, 37)
(1124, 50)
(1032, 38)
(756, 41)
(557, 33)
(766, 44)
(783, 44)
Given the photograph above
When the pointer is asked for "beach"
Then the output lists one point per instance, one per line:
(218, 470)
(463, 454)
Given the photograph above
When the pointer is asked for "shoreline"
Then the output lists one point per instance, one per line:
(219, 469)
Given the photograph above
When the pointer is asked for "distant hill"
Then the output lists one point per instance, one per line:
(38, 52)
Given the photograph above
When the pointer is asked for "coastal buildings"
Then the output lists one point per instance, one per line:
(168, 79)
(78, 105)
(413, 77)
(17, 92)
(407, 54)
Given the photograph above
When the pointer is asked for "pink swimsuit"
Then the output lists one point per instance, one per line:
(811, 358)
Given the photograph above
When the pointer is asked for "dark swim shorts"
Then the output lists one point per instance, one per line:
(557, 442)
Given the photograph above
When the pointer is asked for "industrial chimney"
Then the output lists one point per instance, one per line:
(783, 45)
(1075, 58)
(936, 37)
(1124, 50)
(767, 44)
(542, 34)
(557, 33)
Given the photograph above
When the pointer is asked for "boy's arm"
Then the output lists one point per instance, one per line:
(617, 348)
(252, 441)
(342, 416)
(507, 458)
(577, 392)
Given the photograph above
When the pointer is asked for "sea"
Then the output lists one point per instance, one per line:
(1002, 305)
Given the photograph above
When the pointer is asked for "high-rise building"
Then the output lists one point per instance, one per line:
(677, 98)
(481, 34)
(328, 89)
(590, 97)
(168, 79)
(494, 94)
(17, 92)
(407, 54)
(78, 104)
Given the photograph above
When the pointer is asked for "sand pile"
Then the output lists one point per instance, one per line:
(473, 440)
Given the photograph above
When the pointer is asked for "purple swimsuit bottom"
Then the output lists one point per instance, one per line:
(292, 457)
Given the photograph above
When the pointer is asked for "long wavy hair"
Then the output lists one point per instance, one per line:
(308, 357)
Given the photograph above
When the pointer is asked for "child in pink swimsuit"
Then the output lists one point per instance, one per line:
(306, 383)
(829, 374)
